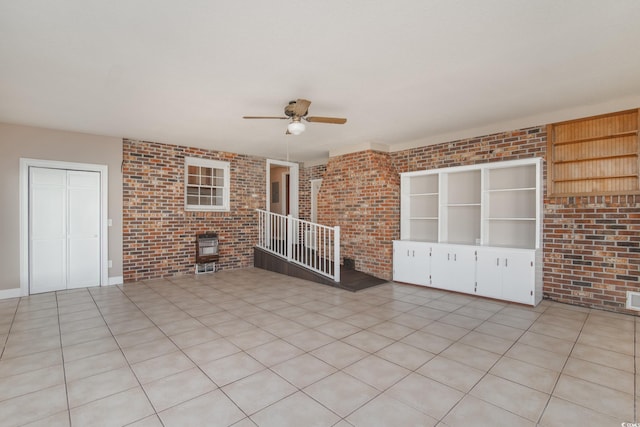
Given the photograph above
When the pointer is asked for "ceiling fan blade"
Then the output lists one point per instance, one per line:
(301, 107)
(265, 117)
(334, 120)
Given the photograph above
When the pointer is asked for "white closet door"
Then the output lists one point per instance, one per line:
(47, 231)
(64, 230)
(83, 236)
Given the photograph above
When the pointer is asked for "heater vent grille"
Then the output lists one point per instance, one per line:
(633, 300)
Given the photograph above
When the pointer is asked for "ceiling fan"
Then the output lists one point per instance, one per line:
(297, 111)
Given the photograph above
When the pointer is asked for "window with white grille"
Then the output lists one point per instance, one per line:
(206, 184)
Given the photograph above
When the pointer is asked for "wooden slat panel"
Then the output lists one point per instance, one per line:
(597, 138)
(590, 156)
(597, 168)
(597, 149)
(596, 126)
(595, 186)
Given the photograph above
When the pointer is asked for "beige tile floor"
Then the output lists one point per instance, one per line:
(251, 347)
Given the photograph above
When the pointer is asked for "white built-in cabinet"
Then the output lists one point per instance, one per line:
(411, 262)
(473, 229)
(452, 267)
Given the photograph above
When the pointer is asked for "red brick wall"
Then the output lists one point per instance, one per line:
(360, 192)
(518, 144)
(159, 235)
(591, 250)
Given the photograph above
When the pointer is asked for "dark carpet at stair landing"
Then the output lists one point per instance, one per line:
(353, 280)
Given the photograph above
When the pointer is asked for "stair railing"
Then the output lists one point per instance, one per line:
(313, 246)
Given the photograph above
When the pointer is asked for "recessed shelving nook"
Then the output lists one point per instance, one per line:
(460, 206)
(453, 219)
(595, 155)
(420, 204)
(511, 207)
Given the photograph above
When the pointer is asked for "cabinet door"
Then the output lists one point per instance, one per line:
(506, 274)
(463, 269)
(453, 268)
(518, 277)
(403, 263)
(411, 262)
(489, 273)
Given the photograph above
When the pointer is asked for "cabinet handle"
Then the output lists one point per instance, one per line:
(414, 254)
(455, 257)
(497, 262)
(506, 262)
(448, 257)
(407, 252)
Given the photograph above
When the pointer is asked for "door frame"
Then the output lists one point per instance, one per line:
(293, 185)
(25, 164)
(286, 190)
(315, 185)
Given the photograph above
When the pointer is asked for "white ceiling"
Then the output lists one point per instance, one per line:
(404, 73)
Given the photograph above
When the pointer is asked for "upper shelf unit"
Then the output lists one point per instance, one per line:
(419, 202)
(490, 204)
(597, 155)
(460, 206)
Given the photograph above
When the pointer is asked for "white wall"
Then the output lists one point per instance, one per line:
(46, 144)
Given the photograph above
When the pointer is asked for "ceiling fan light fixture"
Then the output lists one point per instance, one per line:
(296, 127)
(297, 111)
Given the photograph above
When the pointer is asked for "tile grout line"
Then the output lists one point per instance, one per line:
(13, 318)
(247, 416)
(173, 299)
(298, 389)
(487, 372)
(64, 370)
(169, 338)
(564, 365)
(180, 349)
(124, 356)
(20, 299)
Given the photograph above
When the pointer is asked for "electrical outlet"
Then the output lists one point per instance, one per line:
(110, 264)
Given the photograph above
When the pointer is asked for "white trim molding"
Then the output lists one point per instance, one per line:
(293, 184)
(116, 280)
(225, 166)
(10, 293)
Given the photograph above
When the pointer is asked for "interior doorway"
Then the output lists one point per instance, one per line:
(282, 187)
(286, 192)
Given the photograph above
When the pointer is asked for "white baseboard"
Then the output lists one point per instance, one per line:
(17, 292)
(116, 280)
(10, 293)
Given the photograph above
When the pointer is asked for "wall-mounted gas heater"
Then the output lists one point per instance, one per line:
(206, 253)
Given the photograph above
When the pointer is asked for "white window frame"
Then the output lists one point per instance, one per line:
(226, 190)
